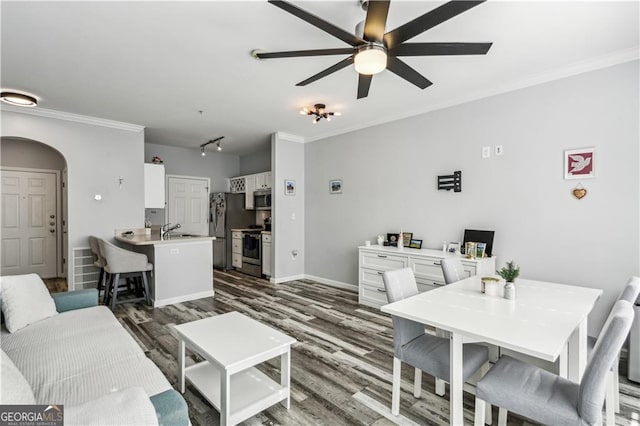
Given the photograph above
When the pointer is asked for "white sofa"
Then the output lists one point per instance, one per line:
(81, 358)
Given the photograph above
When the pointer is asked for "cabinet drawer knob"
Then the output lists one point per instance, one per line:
(381, 290)
(380, 273)
(382, 256)
(437, 263)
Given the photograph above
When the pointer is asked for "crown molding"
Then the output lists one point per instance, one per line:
(290, 137)
(77, 118)
(615, 58)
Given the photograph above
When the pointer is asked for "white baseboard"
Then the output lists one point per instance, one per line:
(286, 279)
(332, 283)
(163, 302)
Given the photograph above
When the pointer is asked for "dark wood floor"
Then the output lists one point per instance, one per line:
(341, 365)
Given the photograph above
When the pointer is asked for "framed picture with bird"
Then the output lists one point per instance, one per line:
(579, 163)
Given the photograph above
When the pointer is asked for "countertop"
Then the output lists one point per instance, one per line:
(140, 238)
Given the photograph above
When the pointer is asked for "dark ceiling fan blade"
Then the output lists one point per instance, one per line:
(434, 49)
(403, 70)
(364, 82)
(299, 53)
(377, 11)
(428, 20)
(318, 22)
(333, 68)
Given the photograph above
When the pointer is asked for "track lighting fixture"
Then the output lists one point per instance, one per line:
(216, 141)
(320, 112)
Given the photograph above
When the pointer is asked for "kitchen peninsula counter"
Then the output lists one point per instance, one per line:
(182, 266)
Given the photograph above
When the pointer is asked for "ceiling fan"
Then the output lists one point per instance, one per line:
(376, 50)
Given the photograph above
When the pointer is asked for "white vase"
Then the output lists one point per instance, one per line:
(509, 291)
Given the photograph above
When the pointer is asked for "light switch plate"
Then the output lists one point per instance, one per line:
(498, 150)
(486, 151)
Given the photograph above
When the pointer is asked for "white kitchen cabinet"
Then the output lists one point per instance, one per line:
(154, 186)
(249, 187)
(236, 249)
(263, 180)
(373, 261)
(266, 255)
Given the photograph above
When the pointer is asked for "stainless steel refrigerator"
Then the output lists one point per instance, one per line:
(226, 211)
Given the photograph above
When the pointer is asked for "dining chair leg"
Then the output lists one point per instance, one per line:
(440, 387)
(147, 295)
(107, 289)
(502, 416)
(610, 400)
(395, 390)
(114, 292)
(488, 415)
(616, 385)
(417, 383)
(480, 413)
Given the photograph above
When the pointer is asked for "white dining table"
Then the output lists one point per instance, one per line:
(546, 320)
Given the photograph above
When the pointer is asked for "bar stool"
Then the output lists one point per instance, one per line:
(99, 263)
(123, 263)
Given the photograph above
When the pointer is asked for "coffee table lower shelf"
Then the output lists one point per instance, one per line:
(251, 390)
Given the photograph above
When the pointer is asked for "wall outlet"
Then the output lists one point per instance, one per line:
(293, 216)
(498, 150)
(294, 254)
(174, 251)
(486, 151)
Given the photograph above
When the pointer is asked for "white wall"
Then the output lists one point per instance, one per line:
(217, 166)
(389, 181)
(288, 225)
(26, 153)
(257, 162)
(96, 156)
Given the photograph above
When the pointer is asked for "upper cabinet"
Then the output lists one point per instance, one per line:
(263, 180)
(258, 181)
(154, 186)
(249, 187)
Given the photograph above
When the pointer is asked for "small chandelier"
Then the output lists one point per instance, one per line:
(319, 112)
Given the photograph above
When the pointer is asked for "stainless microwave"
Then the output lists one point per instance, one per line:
(262, 199)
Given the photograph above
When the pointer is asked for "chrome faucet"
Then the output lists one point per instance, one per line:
(165, 229)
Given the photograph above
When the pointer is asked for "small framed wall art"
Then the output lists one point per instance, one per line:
(393, 239)
(579, 163)
(335, 186)
(406, 238)
(289, 187)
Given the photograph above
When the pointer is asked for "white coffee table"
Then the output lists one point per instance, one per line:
(232, 344)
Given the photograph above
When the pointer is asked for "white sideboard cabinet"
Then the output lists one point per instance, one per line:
(373, 261)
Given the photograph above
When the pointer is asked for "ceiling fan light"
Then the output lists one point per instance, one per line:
(18, 99)
(370, 59)
(219, 147)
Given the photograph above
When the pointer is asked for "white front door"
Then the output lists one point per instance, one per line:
(188, 204)
(29, 223)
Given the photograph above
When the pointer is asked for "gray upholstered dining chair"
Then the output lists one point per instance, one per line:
(124, 263)
(423, 351)
(630, 293)
(548, 398)
(452, 270)
(99, 263)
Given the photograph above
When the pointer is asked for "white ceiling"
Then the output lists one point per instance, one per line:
(156, 64)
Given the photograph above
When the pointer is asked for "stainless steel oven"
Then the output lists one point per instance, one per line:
(252, 253)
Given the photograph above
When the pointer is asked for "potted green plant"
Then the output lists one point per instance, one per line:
(509, 272)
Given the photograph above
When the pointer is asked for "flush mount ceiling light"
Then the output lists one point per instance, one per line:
(216, 141)
(370, 59)
(319, 112)
(18, 99)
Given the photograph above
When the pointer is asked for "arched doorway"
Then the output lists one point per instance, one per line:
(32, 208)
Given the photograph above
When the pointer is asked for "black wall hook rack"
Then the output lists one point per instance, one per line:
(449, 182)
